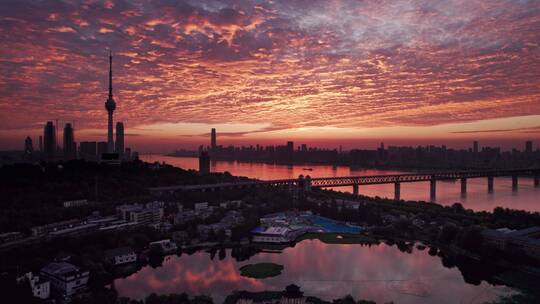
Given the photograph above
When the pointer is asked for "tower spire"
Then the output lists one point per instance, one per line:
(110, 74)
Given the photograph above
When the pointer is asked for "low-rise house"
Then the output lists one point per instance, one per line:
(167, 246)
(122, 255)
(66, 279)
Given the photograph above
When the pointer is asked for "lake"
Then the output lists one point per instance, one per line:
(379, 272)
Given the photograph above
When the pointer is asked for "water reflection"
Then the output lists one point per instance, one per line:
(381, 273)
(526, 197)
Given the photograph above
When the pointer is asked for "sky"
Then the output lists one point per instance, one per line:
(321, 72)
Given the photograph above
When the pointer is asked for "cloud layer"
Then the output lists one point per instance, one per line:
(286, 64)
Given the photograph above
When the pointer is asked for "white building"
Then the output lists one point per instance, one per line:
(40, 287)
(121, 256)
(167, 245)
(65, 278)
(272, 235)
(75, 203)
(201, 206)
(150, 213)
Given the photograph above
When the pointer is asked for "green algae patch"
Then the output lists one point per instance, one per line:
(261, 270)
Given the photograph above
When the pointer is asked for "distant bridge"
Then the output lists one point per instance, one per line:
(306, 183)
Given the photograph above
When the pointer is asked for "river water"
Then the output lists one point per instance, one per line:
(381, 273)
(527, 197)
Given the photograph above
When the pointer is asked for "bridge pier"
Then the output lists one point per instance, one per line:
(397, 191)
(490, 184)
(536, 180)
(355, 189)
(432, 189)
(514, 182)
(463, 187)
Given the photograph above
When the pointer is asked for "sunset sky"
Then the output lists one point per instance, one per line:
(319, 72)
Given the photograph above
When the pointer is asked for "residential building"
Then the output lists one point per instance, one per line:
(41, 288)
(119, 256)
(66, 279)
(150, 213)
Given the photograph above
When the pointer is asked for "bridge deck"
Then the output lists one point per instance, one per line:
(341, 181)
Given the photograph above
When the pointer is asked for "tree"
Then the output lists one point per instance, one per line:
(470, 238)
(447, 234)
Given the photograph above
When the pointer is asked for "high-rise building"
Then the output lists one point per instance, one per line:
(69, 139)
(88, 150)
(120, 139)
(127, 154)
(110, 106)
(28, 147)
(204, 162)
(49, 135)
(528, 146)
(475, 147)
(102, 147)
(213, 139)
(290, 147)
(40, 143)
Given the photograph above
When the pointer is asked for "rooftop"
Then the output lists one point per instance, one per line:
(60, 269)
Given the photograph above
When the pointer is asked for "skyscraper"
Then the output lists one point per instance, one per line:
(110, 106)
(213, 140)
(528, 146)
(28, 147)
(49, 135)
(290, 147)
(69, 152)
(475, 147)
(120, 139)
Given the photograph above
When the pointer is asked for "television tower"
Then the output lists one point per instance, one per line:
(110, 106)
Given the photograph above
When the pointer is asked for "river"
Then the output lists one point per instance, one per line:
(527, 197)
(381, 273)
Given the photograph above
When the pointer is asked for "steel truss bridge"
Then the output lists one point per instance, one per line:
(306, 183)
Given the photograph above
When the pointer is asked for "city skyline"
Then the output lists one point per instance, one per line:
(406, 73)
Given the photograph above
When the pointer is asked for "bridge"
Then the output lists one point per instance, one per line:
(307, 183)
